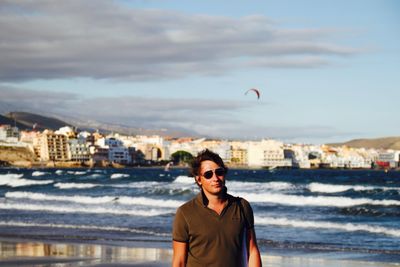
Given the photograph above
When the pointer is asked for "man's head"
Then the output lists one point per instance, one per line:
(202, 166)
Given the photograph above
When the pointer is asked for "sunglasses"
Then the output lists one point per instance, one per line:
(218, 172)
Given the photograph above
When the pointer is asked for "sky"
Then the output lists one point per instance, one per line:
(327, 71)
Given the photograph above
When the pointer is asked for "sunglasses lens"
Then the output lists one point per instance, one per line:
(220, 172)
(208, 174)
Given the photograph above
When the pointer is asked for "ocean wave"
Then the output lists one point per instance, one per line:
(81, 209)
(77, 172)
(151, 184)
(254, 186)
(119, 175)
(83, 227)
(38, 173)
(330, 188)
(75, 185)
(182, 179)
(45, 197)
(59, 172)
(326, 201)
(16, 180)
(142, 201)
(349, 227)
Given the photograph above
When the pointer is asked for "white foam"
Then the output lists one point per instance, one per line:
(349, 227)
(294, 200)
(59, 172)
(82, 209)
(16, 180)
(38, 173)
(77, 172)
(75, 185)
(139, 185)
(254, 186)
(119, 175)
(184, 180)
(44, 197)
(330, 188)
(142, 201)
(84, 227)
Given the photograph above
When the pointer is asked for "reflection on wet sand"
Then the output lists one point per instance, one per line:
(81, 254)
(13, 253)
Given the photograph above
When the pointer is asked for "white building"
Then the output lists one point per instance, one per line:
(9, 134)
(117, 152)
(267, 153)
(79, 149)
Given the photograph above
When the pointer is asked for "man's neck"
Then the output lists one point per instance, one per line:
(216, 199)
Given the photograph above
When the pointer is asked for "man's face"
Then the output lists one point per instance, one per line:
(211, 177)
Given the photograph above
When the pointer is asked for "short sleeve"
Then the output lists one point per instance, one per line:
(248, 213)
(180, 230)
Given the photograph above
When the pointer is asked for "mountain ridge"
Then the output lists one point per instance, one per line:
(26, 121)
(392, 142)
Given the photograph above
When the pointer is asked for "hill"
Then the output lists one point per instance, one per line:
(9, 121)
(377, 143)
(27, 120)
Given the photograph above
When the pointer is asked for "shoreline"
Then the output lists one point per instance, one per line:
(28, 252)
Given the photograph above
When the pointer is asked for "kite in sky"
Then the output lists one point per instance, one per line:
(256, 91)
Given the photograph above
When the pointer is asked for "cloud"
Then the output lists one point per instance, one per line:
(211, 118)
(104, 40)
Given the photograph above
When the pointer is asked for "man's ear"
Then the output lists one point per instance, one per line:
(198, 180)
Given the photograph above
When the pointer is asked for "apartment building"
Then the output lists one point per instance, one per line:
(9, 133)
(53, 147)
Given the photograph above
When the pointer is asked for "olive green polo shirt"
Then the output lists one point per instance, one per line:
(213, 240)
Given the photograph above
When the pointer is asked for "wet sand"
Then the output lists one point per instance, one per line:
(35, 253)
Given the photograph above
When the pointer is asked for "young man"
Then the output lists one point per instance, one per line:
(214, 228)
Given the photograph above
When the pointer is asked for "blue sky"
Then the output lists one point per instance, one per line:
(327, 71)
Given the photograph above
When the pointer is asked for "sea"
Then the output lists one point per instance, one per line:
(341, 214)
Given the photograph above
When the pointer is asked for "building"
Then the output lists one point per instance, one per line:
(389, 159)
(117, 152)
(53, 147)
(267, 153)
(79, 149)
(238, 153)
(9, 134)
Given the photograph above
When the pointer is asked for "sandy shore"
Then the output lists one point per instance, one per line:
(35, 253)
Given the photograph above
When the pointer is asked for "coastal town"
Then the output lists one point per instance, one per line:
(68, 147)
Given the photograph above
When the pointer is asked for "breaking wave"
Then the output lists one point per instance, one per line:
(38, 173)
(349, 227)
(142, 201)
(82, 209)
(75, 185)
(83, 227)
(16, 180)
(326, 201)
(119, 175)
(330, 188)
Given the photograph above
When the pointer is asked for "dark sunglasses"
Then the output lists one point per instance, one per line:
(218, 172)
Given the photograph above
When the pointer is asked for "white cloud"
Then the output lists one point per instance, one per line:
(211, 118)
(103, 40)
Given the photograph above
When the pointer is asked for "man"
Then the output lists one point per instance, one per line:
(214, 228)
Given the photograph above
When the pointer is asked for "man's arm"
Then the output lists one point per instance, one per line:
(254, 253)
(179, 254)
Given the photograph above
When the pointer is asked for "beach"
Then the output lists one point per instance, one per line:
(123, 217)
(38, 253)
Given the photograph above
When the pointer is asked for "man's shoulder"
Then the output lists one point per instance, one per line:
(189, 205)
(240, 201)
